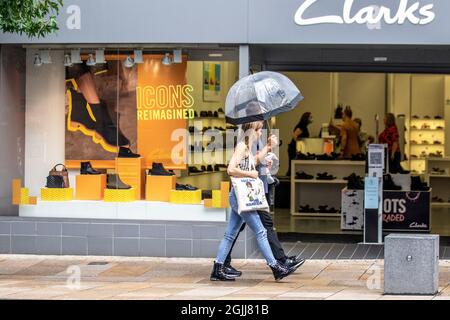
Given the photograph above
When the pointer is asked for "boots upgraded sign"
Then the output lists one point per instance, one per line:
(406, 210)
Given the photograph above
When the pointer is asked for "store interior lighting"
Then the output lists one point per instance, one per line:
(129, 62)
(100, 56)
(138, 56)
(215, 55)
(91, 60)
(45, 56)
(75, 56)
(166, 60)
(177, 58)
(67, 60)
(37, 60)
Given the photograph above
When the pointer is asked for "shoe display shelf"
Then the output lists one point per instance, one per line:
(199, 157)
(317, 193)
(439, 181)
(421, 137)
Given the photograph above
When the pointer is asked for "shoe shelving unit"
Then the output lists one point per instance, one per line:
(219, 153)
(421, 135)
(439, 182)
(317, 193)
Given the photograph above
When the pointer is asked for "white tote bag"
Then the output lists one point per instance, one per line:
(250, 193)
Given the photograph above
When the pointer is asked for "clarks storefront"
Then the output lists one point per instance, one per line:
(130, 100)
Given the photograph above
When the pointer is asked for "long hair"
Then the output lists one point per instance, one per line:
(247, 130)
(390, 120)
(304, 120)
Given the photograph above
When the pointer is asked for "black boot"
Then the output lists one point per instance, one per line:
(79, 117)
(418, 185)
(388, 183)
(231, 271)
(218, 273)
(86, 168)
(280, 271)
(159, 170)
(105, 127)
(113, 182)
(125, 152)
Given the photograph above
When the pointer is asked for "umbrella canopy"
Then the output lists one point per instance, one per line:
(260, 96)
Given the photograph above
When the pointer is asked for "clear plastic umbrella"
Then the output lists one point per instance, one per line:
(260, 96)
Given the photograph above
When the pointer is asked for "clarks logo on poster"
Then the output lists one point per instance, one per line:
(414, 13)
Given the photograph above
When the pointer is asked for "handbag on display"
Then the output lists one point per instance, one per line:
(55, 182)
(63, 173)
(250, 193)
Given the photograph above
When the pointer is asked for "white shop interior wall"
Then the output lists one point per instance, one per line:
(316, 88)
(44, 119)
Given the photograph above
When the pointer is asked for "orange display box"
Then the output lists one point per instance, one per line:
(132, 172)
(90, 187)
(224, 192)
(158, 188)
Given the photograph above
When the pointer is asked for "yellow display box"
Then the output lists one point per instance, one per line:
(217, 198)
(158, 188)
(132, 172)
(56, 194)
(90, 187)
(24, 196)
(186, 197)
(224, 192)
(16, 185)
(118, 195)
(207, 203)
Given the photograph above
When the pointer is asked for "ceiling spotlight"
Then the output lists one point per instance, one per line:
(138, 57)
(128, 62)
(67, 60)
(45, 56)
(75, 56)
(91, 60)
(166, 60)
(37, 60)
(100, 56)
(177, 56)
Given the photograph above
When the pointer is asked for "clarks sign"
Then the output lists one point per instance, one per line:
(414, 12)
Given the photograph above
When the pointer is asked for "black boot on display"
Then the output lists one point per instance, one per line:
(86, 168)
(418, 185)
(113, 182)
(218, 273)
(388, 183)
(281, 271)
(159, 170)
(125, 152)
(231, 271)
(79, 116)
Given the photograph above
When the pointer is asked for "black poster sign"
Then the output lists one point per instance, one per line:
(406, 210)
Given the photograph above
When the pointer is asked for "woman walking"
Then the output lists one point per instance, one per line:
(240, 166)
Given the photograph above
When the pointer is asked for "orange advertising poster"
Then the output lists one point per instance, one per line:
(164, 103)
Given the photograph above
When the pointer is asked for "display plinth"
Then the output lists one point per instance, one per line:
(56, 194)
(117, 195)
(135, 210)
(90, 187)
(186, 197)
(132, 172)
(158, 188)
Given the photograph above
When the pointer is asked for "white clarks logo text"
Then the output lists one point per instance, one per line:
(373, 15)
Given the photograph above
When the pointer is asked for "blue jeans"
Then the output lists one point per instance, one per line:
(253, 220)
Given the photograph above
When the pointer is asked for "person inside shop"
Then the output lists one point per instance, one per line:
(300, 132)
(364, 138)
(349, 136)
(391, 138)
